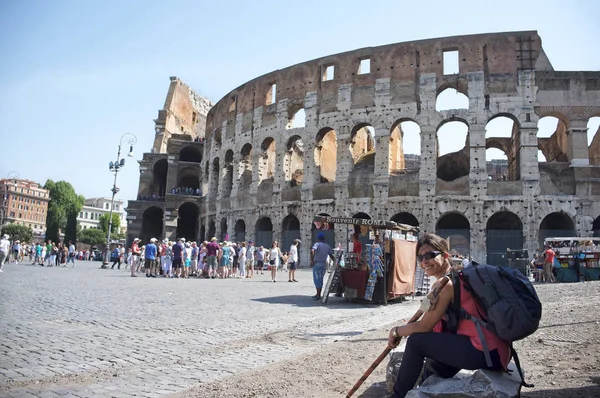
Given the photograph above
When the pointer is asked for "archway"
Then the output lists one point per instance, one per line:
(405, 218)
(504, 231)
(293, 161)
(556, 225)
(224, 234)
(456, 228)
(228, 174)
(188, 181)
(187, 221)
(212, 230)
(326, 154)
(329, 232)
(190, 154)
(552, 139)
(245, 168)
(405, 147)
(362, 142)
(593, 140)
(152, 224)
(450, 98)
(264, 232)
(502, 142)
(214, 178)
(240, 231)
(290, 230)
(596, 227)
(452, 150)
(159, 178)
(266, 162)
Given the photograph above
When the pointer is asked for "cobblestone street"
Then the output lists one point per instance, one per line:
(89, 332)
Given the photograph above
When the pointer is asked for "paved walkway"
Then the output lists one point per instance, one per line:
(87, 332)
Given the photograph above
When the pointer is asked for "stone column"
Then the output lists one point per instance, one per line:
(577, 147)
(382, 160)
(530, 171)
(344, 162)
(477, 162)
(172, 170)
(428, 171)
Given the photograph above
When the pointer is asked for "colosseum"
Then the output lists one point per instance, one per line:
(360, 134)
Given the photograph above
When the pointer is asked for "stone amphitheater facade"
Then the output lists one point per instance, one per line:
(244, 169)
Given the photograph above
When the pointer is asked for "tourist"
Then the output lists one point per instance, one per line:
(212, 251)
(549, 257)
(260, 259)
(319, 254)
(293, 261)
(116, 257)
(226, 256)
(194, 259)
(274, 260)
(187, 260)
(178, 257)
(4, 250)
(242, 260)
(250, 255)
(135, 256)
(202, 269)
(447, 353)
(71, 254)
(150, 258)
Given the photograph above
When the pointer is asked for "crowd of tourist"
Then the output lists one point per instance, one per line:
(208, 259)
(186, 191)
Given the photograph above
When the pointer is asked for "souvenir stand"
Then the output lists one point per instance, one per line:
(577, 258)
(386, 269)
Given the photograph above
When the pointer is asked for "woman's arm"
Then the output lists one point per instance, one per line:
(429, 320)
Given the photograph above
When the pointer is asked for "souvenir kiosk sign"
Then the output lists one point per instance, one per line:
(386, 269)
(576, 258)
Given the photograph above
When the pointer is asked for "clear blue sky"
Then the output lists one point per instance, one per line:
(76, 75)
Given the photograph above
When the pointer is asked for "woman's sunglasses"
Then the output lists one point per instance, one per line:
(428, 255)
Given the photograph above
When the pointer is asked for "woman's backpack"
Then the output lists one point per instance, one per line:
(510, 305)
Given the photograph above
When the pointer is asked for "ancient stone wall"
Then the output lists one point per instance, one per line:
(326, 137)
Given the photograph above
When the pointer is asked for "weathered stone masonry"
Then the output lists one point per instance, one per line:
(261, 177)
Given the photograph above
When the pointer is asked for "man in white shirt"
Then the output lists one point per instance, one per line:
(293, 261)
(4, 250)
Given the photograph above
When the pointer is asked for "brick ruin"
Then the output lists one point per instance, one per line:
(331, 136)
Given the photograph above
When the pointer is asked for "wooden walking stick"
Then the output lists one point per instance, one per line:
(426, 305)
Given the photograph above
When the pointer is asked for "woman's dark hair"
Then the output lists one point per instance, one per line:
(433, 240)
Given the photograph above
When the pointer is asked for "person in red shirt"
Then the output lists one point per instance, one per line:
(135, 256)
(446, 353)
(549, 257)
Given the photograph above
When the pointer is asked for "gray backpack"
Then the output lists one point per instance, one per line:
(510, 305)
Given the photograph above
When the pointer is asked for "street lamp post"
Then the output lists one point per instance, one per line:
(115, 167)
(11, 175)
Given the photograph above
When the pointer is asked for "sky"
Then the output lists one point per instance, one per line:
(78, 75)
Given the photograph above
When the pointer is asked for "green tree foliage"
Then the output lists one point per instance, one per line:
(116, 224)
(63, 209)
(93, 236)
(18, 232)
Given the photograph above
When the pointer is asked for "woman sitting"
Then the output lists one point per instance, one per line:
(446, 353)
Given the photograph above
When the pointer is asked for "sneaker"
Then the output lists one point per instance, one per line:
(294, 280)
(316, 298)
(290, 280)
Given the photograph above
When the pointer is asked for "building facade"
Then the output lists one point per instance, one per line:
(257, 171)
(24, 202)
(94, 208)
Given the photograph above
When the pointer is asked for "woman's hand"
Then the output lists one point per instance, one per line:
(393, 338)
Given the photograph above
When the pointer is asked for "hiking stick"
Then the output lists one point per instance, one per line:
(430, 304)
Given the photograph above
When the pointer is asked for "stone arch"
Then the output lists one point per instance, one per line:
(152, 224)
(264, 232)
(405, 218)
(405, 146)
(159, 177)
(556, 225)
(240, 231)
(290, 230)
(188, 177)
(329, 232)
(362, 142)
(296, 117)
(245, 167)
(217, 138)
(224, 233)
(452, 159)
(593, 140)
(187, 221)
(190, 153)
(228, 174)
(456, 228)
(214, 178)
(266, 162)
(293, 161)
(451, 97)
(553, 139)
(503, 143)
(212, 230)
(504, 231)
(596, 227)
(326, 154)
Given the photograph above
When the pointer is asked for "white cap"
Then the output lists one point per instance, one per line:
(152, 239)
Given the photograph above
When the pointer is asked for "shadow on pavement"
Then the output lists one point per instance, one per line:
(307, 301)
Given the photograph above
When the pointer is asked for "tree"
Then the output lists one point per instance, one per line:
(116, 223)
(63, 209)
(93, 237)
(18, 232)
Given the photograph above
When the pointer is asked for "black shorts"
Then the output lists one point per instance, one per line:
(149, 263)
(177, 263)
(293, 266)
